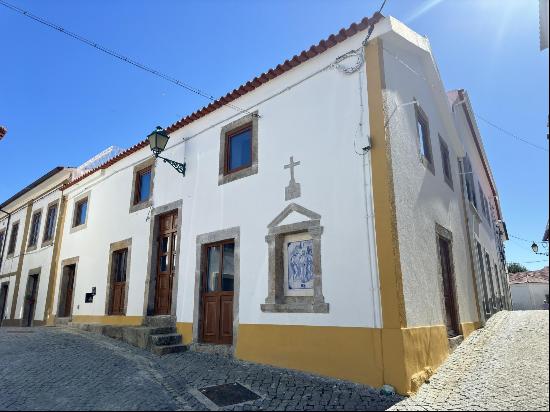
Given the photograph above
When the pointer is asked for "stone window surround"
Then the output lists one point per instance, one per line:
(4, 240)
(35, 246)
(8, 239)
(201, 241)
(441, 231)
(64, 263)
(148, 163)
(224, 178)
(50, 241)
(421, 115)
(76, 201)
(150, 279)
(445, 152)
(276, 301)
(116, 246)
(31, 272)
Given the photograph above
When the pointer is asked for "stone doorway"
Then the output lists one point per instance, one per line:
(31, 294)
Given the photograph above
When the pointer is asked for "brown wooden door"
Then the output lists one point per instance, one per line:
(118, 281)
(30, 299)
(166, 262)
(68, 291)
(451, 318)
(217, 293)
(3, 299)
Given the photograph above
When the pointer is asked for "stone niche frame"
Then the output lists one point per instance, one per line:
(123, 244)
(233, 233)
(151, 277)
(61, 291)
(276, 300)
(224, 178)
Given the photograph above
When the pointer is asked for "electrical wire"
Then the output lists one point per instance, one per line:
(371, 28)
(117, 55)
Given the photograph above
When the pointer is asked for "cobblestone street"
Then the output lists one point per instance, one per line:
(501, 367)
(64, 369)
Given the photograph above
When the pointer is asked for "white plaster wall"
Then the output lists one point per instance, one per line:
(316, 122)
(529, 296)
(422, 198)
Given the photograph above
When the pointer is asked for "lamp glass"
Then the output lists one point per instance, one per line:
(158, 140)
(535, 247)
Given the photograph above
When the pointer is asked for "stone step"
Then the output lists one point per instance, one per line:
(166, 339)
(160, 321)
(454, 342)
(165, 349)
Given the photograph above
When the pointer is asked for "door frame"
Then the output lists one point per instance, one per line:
(123, 244)
(151, 276)
(6, 286)
(65, 263)
(202, 241)
(447, 236)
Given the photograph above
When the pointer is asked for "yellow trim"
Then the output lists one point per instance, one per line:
(185, 329)
(109, 320)
(468, 327)
(347, 353)
(387, 245)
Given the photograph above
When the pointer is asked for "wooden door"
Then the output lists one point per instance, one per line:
(166, 262)
(69, 286)
(118, 281)
(451, 318)
(3, 299)
(217, 291)
(30, 298)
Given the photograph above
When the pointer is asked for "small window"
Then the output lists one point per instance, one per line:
(80, 214)
(13, 238)
(445, 159)
(423, 133)
(238, 149)
(142, 191)
(470, 187)
(2, 236)
(35, 227)
(49, 228)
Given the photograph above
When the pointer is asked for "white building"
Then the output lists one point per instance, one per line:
(29, 243)
(530, 289)
(323, 222)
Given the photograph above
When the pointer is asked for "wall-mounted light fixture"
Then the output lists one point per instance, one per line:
(535, 249)
(157, 141)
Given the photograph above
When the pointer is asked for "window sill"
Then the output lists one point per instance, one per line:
(239, 174)
(46, 243)
(449, 182)
(32, 248)
(427, 164)
(140, 206)
(78, 228)
(294, 307)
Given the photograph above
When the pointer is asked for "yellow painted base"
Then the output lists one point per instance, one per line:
(185, 329)
(403, 358)
(468, 327)
(109, 320)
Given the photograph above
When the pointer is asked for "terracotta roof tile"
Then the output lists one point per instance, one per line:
(247, 87)
(535, 276)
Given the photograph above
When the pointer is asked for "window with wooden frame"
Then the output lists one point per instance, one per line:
(49, 227)
(238, 149)
(34, 229)
(446, 162)
(424, 141)
(80, 212)
(469, 177)
(13, 238)
(142, 189)
(2, 237)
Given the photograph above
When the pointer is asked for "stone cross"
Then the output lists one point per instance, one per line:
(292, 191)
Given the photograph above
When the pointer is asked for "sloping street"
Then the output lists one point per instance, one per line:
(503, 366)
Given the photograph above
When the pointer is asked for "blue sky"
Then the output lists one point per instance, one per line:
(63, 101)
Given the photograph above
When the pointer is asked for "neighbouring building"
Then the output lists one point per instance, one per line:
(338, 215)
(29, 242)
(530, 289)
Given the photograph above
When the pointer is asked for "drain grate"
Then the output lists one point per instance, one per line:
(228, 394)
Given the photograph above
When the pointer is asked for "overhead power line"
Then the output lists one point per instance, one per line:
(510, 133)
(116, 54)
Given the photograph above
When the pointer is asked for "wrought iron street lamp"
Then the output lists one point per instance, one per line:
(157, 141)
(535, 249)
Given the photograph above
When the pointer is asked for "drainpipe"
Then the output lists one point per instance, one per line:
(2, 246)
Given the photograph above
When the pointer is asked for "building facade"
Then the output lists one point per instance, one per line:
(323, 222)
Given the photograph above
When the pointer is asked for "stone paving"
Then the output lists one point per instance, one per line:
(65, 369)
(501, 367)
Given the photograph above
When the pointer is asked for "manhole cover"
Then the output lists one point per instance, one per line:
(228, 394)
